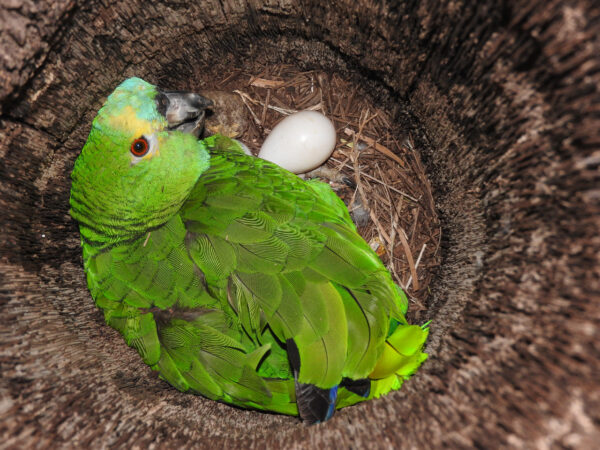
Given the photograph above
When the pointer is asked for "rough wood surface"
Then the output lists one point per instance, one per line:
(503, 95)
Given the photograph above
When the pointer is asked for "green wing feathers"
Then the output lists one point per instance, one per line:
(254, 258)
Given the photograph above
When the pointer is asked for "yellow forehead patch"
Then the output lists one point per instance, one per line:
(128, 121)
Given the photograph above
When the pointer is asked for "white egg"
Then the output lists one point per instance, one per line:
(300, 142)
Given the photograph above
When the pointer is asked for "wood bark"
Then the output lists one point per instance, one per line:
(502, 96)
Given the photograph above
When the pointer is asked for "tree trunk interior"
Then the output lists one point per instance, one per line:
(502, 98)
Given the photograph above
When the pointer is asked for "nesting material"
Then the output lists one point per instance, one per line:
(374, 168)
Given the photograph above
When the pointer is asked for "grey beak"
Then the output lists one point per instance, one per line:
(184, 111)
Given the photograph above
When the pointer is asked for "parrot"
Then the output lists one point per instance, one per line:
(232, 278)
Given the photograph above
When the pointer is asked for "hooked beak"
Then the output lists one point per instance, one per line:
(184, 111)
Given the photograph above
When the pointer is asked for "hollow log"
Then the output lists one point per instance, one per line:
(503, 99)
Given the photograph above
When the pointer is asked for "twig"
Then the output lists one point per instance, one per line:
(264, 83)
(366, 120)
(363, 198)
(416, 266)
(414, 228)
(385, 201)
(287, 112)
(265, 106)
(228, 77)
(377, 146)
(409, 258)
(384, 236)
(284, 111)
(350, 99)
(391, 188)
(383, 118)
(394, 219)
(342, 164)
(247, 97)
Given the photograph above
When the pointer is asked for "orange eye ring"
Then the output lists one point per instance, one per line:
(139, 147)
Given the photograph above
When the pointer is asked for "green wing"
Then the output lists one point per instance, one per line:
(154, 295)
(286, 256)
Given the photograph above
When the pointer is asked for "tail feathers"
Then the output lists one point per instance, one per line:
(315, 405)
(360, 387)
(401, 357)
(402, 352)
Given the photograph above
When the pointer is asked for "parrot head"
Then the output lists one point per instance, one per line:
(140, 161)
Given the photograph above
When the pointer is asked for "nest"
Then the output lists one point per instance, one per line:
(374, 168)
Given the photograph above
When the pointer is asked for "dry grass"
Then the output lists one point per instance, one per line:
(388, 188)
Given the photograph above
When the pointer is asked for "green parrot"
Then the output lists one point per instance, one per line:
(232, 277)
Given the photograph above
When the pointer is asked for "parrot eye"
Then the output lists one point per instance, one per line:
(139, 147)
